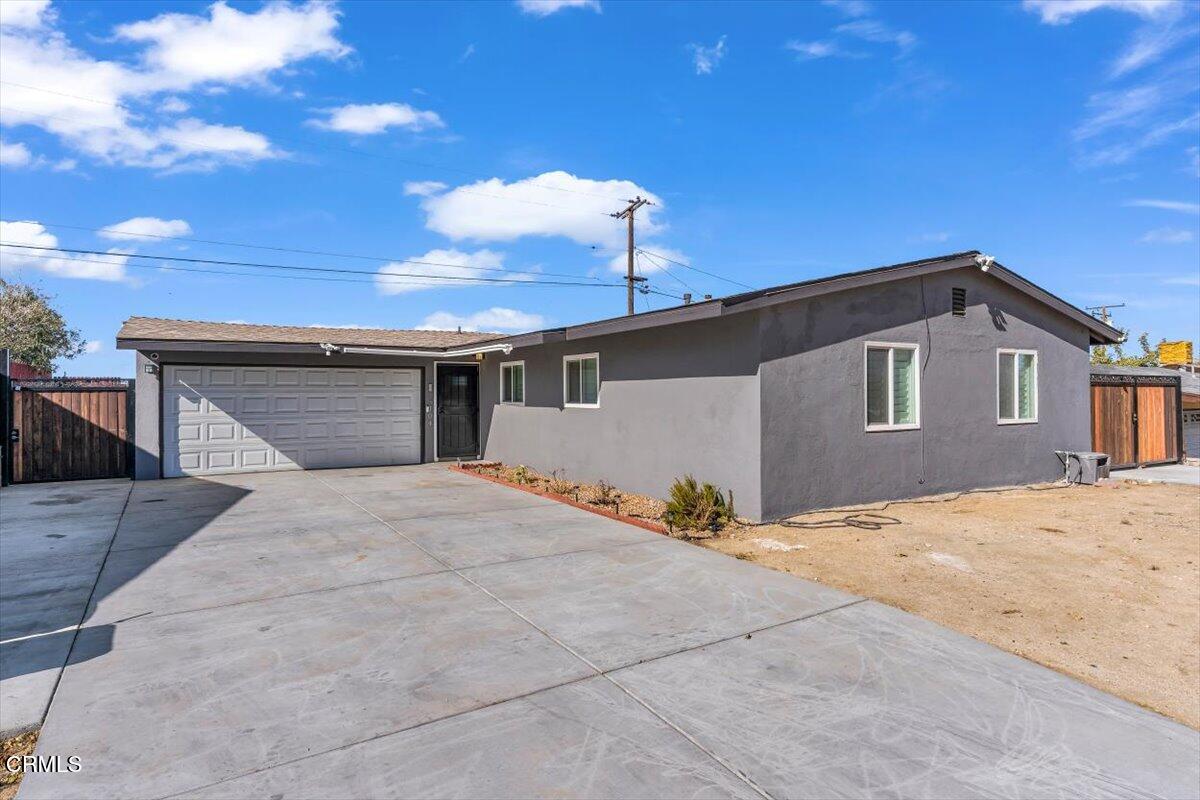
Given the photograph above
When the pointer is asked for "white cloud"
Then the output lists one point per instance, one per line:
(231, 46)
(174, 105)
(872, 30)
(1184, 280)
(851, 8)
(376, 118)
(1193, 154)
(1150, 43)
(400, 277)
(467, 52)
(828, 48)
(936, 237)
(102, 108)
(544, 8)
(423, 188)
(25, 13)
(107, 267)
(1166, 205)
(14, 154)
(706, 59)
(93, 346)
(140, 228)
(1122, 123)
(1062, 12)
(492, 319)
(1167, 235)
(551, 204)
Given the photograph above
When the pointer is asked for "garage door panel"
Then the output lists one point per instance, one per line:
(229, 419)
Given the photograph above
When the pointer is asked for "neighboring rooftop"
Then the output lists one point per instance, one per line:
(154, 329)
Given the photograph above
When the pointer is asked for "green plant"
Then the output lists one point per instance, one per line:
(32, 330)
(697, 506)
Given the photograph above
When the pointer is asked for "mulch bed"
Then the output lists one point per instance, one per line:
(19, 745)
(598, 498)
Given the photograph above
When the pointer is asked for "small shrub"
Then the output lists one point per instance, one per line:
(696, 506)
(559, 485)
(607, 494)
(521, 475)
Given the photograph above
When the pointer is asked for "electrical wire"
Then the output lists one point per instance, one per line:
(343, 270)
(696, 269)
(380, 279)
(326, 253)
(317, 252)
(662, 265)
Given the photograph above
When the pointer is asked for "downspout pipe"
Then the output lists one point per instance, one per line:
(330, 349)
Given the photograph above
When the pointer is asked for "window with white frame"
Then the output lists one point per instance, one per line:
(512, 383)
(1016, 386)
(581, 380)
(893, 387)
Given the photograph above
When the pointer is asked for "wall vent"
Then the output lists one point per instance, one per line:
(958, 301)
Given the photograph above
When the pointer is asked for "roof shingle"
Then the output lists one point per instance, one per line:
(183, 330)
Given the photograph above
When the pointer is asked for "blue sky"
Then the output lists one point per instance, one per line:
(779, 141)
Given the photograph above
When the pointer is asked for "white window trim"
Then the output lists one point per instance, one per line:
(504, 382)
(580, 357)
(1037, 401)
(907, 426)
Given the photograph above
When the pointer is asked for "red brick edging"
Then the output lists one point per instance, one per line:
(603, 512)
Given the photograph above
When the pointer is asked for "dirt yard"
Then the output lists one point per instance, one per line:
(1098, 582)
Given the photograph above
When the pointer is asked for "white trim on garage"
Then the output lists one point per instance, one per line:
(219, 419)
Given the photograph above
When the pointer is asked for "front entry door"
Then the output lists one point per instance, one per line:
(457, 410)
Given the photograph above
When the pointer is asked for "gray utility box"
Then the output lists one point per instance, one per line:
(1086, 467)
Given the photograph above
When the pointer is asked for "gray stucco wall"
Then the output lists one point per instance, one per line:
(816, 453)
(148, 419)
(674, 400)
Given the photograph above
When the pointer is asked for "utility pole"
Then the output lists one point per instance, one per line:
(1101, 312)
(627, 214)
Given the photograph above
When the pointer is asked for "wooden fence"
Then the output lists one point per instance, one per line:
(1136, 419)
(64, 431)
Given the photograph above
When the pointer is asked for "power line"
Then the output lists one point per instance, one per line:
(668, 271)
(260, 265)
(328, 253)
(696, 269)
(311, 143)
(270, 276)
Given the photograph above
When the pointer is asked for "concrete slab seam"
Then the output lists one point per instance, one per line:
(88, 604)
(726, 765)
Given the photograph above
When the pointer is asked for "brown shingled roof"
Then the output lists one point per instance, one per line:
(184, 330)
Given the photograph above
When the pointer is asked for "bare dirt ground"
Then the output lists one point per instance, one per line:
(1099, 582)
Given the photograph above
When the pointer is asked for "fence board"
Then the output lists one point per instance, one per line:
(70, 434)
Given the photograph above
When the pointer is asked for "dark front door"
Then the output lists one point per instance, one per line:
(457, 410)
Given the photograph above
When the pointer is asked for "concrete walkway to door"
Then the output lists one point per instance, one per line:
(413, 632)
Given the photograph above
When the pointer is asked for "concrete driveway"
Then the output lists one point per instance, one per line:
(413, 632)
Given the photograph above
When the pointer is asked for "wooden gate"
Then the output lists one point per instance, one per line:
(1136, 419)
(64, 431)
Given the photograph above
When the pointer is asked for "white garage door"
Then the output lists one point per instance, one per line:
(219, 419)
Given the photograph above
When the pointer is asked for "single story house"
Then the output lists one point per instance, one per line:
(929, 376)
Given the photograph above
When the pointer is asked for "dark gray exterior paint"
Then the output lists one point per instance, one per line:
(673, 400)
(763, 393)
(816, 450)
(769, 402)
(148, 419)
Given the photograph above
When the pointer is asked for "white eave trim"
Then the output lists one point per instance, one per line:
(330, 348)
